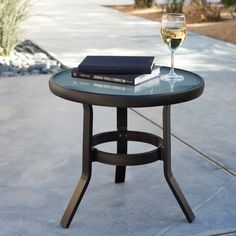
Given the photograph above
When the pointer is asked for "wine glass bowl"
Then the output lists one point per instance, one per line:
(173, 31)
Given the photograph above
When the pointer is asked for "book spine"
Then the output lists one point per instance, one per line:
(101, 78)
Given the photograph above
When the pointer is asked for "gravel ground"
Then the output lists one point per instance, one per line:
(28, 59)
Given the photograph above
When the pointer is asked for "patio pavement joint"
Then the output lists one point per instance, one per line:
(217, 163)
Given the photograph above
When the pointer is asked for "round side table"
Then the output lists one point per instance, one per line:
(150, 93)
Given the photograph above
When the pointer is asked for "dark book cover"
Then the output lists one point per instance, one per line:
(116, 65)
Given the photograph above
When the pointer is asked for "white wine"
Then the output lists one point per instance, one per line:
(173, 31)
(173, 37)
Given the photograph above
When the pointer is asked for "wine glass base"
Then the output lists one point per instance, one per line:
(172, 76)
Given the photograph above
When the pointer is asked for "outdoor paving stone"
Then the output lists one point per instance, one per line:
(213, 219)
(38, 173)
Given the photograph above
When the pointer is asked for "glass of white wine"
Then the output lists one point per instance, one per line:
(173, 31)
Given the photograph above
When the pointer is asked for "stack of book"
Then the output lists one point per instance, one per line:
(131, 70)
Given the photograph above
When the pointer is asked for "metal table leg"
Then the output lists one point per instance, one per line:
(121, 143)
(167, 166)
(86, 168)
(120, 170)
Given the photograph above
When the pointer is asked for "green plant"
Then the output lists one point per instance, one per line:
(143, 3)
(12, 13)
(175, 6)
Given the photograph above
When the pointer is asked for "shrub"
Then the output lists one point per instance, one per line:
(196, 11)
(201, 11)
(228, 3)
(12, 13)
(231, 6)
(175, 6)
(143, 3)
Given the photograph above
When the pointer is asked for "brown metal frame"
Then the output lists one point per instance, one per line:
(122, 159)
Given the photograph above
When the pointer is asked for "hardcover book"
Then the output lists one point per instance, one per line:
(146, 87)
(116, 65)
(130, 79)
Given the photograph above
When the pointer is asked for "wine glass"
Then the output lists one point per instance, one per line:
(173, 31)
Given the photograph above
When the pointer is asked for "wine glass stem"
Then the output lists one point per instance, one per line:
(172, 64)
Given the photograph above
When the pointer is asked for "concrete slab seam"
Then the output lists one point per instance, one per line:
(217, 163)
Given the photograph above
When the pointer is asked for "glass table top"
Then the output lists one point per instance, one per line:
(154, 92)
(151, 87)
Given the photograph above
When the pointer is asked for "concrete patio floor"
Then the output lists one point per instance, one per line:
(41, 135)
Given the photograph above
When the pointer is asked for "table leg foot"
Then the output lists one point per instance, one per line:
(180, 197)
(120, 174)
(75, 201)
(86, 168)
(167, 166)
